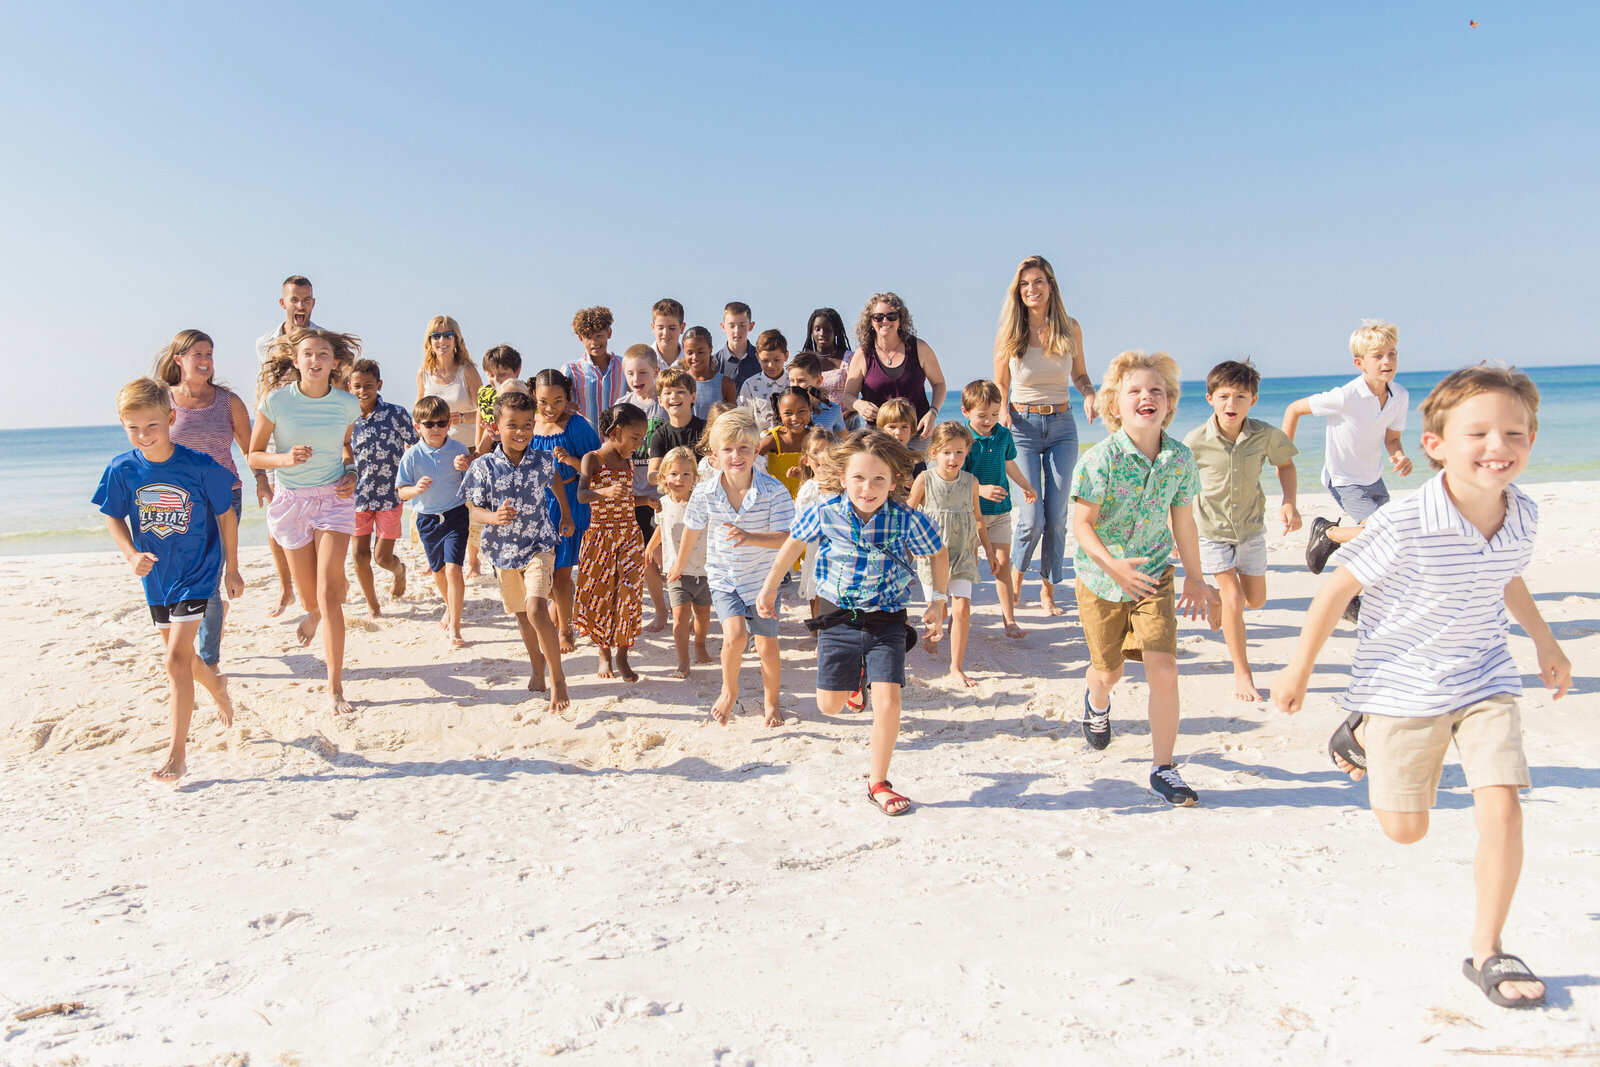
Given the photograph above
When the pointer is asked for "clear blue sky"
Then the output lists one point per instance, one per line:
(1208, 179)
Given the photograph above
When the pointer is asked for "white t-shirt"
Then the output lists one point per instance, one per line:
(756, 395)
(670, 523)
(1357, 424)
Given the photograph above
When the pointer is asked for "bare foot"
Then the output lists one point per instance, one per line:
(341, 706)
(702, 654)
(625, 668)
(536, 683)
(683, 670)
(373, 611)
(960, 676)
(457, 641)
(559, 701)
(604, 669)
(1244, 687)
(723, 708)
(1013, 630)
(307, 628)
(568, 643)
(1047, 600)
(774, 717)
(170, 771)
(398, 589)
(285, 598)
(473, 571)
(657, 624)
(224, 701)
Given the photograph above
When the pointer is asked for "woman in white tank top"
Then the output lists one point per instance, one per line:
(448, 373)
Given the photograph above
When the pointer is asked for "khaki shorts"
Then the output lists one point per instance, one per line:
(999, 529)
(1119, 630)
(1406, 756)
(531, 581)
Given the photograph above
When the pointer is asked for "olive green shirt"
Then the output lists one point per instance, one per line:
(1231, 505)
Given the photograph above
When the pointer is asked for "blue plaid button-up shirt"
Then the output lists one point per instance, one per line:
(866, 566)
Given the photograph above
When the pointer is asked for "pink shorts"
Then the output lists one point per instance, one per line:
(386, 523)
(295, 513)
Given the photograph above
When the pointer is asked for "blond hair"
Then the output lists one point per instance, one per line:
(1012, 337)
(1125, 364)
(946, 432)
(733, 424)
(896, 410)
(430, 363)
(166, 366)
(812, 437)
(900, 460)
(1374, 334)
(142, 393)
(279, 369)
(681, 454)
(1461, 385)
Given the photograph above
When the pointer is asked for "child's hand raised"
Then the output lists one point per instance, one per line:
(299, 454)
(506, 514)
(619, 491)
(142, 563)
(564, 456)
(1133, 581)
(462, 462)
(736, 535)
(1291, 518)
(993, 493)
(423, 483)
(1402, 463)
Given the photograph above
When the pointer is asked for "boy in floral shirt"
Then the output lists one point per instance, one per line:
(378, 438)
(505, 491)
(1132, 494)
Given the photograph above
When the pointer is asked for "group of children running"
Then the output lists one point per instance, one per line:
(710, 493)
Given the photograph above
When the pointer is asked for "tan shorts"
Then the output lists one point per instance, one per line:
(999, 529)
(531, 581)
(1118, 630)
(1406, 756)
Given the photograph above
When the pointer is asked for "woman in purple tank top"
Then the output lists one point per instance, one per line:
(210, 419)
(890, 361)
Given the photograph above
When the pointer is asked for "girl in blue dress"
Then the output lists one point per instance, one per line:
(559, 429)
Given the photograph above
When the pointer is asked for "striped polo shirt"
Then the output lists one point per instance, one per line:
(1432, 635)
(767, 508)
(593, 391)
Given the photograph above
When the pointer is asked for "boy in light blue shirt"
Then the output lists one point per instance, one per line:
(430, 477)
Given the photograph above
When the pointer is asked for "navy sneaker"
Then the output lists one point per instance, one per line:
(1320, 546)
(1166, 783)
(1096, 724)
(1352, 610)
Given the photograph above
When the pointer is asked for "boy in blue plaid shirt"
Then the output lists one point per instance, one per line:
(866, 540)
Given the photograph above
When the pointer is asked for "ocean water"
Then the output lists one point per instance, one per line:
(50, 475)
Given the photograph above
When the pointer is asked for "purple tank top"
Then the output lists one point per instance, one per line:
(877, 386)
(209, 429)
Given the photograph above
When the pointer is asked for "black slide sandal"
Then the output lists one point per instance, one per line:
(1502, 967)
(1343, 743)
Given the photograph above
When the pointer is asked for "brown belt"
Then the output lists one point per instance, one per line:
(1041, 409)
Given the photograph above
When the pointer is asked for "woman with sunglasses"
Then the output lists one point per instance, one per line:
(448, 373)
(890, 361)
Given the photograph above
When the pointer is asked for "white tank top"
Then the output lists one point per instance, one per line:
(463, 405)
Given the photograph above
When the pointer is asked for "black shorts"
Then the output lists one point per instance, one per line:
(845, 652)
(647, 521)
(444, 536)
(183, 611)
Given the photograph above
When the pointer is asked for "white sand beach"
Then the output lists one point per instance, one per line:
(452, 876)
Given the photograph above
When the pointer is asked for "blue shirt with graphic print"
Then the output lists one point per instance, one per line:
(171, 509)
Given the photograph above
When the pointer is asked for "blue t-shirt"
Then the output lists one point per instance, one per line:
(320, 422)
(421, 462)
(171, 509)
(378, 441)
(987, 463)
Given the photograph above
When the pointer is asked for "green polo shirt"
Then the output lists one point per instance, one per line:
(1136, 496)
(1231, 505)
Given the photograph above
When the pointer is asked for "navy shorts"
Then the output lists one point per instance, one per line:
(164, 615)
(444, 536)
(844, 651)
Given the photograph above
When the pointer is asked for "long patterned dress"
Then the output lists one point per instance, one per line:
(610, 602)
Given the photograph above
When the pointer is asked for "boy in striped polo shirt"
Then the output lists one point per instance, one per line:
(1440, 571)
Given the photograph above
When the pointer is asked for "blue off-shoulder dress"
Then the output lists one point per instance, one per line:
(579, 438)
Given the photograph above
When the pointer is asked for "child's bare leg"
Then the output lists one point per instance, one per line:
(656, 584)
(331, 587)
(734, 637)
(383, 555)
(885, 731)
(361, 559)
(1343, 535)
(303, 563)
(474, 563)
(539, 618)
(960, 628)
(1020, 599)
(624, 668)
(455, 595)
(682, 626)
(215, 683)
(702, 630)
(1161, 674)
(1047, 600)
(179, 662)
(561, 601)
(530, 641)
(831, 701)
(1100, 685)
(603, 668)
(1496, 867)
(280, 562)
(771, 667)
(1008, 596)
(1233, 603)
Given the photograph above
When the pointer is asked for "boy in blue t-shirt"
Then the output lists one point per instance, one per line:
(993, 461)
(430, 476)
(180, 506)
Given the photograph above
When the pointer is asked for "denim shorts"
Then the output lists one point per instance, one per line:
(1360, 501)
(1247, 557)
(843, 651)
(731, 606)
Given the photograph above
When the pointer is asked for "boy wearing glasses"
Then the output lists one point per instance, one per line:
(430, 476)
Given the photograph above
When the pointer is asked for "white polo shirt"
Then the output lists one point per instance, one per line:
(1357, 424)
(1432, 635)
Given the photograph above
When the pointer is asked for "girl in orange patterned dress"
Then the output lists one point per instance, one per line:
(610, 603)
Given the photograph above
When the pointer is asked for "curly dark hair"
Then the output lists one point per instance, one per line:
(590, 321)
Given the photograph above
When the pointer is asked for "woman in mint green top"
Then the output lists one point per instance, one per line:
(307, 415)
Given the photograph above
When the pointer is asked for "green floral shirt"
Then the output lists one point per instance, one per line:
(1135, 496)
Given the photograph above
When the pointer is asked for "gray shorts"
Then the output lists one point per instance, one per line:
(1360, 501)
(1247, 557)
(690, 589)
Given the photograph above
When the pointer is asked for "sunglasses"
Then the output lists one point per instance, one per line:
(886, 316)
(434, 424)
(442, 334)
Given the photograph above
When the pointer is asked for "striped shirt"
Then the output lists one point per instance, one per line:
(592, 391)
(866, 565)
(1432, 635)
(208, 430)
(768, 508)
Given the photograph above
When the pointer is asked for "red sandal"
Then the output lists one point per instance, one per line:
(857, 701)
(886, 791)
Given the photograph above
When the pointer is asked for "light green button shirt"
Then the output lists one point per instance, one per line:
(1231, 505)
(1136, 496)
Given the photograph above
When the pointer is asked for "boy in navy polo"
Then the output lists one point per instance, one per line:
(170, 511)
(1440, 570)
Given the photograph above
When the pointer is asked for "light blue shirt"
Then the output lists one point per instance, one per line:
(320, 422)
(767, 508)
(421, 462)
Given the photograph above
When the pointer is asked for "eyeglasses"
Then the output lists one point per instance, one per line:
(434, 424)
(446, 334)
(886, 316)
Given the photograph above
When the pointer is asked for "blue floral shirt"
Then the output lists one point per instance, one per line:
(378, 441)
(491, 481)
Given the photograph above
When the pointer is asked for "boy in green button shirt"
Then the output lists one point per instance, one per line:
(1132, 494)
(1231, 449)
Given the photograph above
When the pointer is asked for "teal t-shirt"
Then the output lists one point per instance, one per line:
(298, 419)
(987, 463)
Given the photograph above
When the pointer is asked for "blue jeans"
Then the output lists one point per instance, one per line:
(1047, 448)
(208, 639)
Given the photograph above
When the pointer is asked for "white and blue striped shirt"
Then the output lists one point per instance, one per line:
(768, 508)
(1432, 636)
